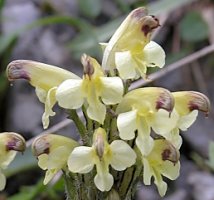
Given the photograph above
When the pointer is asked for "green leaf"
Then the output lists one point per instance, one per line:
(90, 8)
(7, 41)
(193, 28)
(211, 155)
(39, 191)
(28, 192)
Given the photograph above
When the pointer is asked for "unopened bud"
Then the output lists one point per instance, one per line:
(88, 68)
(99, 141)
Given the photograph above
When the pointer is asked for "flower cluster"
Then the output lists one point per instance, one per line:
(139, 127)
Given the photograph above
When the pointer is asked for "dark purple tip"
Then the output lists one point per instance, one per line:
(16, 70)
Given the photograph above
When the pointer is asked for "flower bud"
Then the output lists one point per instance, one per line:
(87, 65)
(100, 142)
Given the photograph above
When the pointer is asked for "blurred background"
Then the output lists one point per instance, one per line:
(57, 32)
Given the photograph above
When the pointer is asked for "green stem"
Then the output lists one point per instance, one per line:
(138, 171)
(80, 126)
(71, 186)
(89, 125)
(126, 85)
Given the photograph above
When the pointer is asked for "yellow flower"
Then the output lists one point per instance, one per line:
(130, 50)
(137, 111)
(184, 114)
(45, 78)
(52, 152)
(118, 154)
(163, 160)
(72, 93)
(10, 143)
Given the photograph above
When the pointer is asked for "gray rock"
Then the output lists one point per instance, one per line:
(17, 16)
(200, 134)
(187, 167)
(178, 195)
(202, 185)
(24, 112)
(68, 7)
(147, 193)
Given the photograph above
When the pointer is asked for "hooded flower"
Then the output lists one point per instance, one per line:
(52, 152)
(45, 79)
(163, 160)
(130, 50)
(137, 111)
(184, 114)
(118, 154)
(93, 88)
(10, 143)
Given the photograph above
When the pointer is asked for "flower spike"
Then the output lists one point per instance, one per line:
(45, 78)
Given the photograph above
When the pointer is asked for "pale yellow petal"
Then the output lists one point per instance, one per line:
(6, 159)
(126, 65)
(147, 172)
(145, 144)
(96, 110)
(69, 94)
(49, 175)
(49, 103)
(58, 157)
(126, 123)
(170, 170)
(104, 182)
(144, 141)
(41, 94)
(2, 181)
(163, 122)
(123, 155)
(43, 161)
(174, 137)
(186, 121)
(112, 90)
(81, 160)
(161, 185)
(154, 55)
